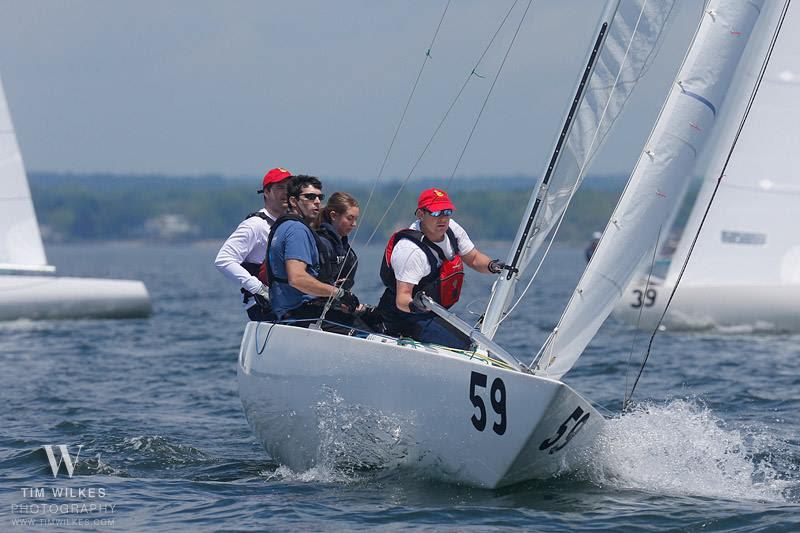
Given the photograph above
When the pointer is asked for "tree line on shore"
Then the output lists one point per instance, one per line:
(116, 207)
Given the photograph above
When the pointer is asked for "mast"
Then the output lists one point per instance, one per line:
(623, 46)
(686, 121)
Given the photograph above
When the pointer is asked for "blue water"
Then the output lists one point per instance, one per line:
(713, 443)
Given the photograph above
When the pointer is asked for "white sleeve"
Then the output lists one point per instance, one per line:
(409, 263)
(465, 244)
(233, 252)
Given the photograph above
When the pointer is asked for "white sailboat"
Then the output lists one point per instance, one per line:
(483, 418)
(28, 286)
(745, 269)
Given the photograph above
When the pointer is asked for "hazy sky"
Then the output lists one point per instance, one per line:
(235, 87)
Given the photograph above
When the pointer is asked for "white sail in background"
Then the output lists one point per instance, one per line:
(659, 179)
(20, 242)
(750, 236)
(22, 252)
(631, 41)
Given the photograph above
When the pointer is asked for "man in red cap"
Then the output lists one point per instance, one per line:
(428, 257)
(242, 253)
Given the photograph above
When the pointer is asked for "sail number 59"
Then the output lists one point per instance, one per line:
(497, 397)
(577, 419)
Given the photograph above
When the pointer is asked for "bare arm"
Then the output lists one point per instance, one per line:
(404, 295)
(305, 282)
(477, 260)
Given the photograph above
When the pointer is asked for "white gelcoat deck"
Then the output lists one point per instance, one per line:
(288, 374)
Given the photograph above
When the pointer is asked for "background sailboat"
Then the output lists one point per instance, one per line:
(28, 288)
(745, 268)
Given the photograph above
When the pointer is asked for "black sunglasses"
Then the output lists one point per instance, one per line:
(440, 213)
(311, 196)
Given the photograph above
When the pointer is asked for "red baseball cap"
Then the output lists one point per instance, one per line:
(434, 200)
(274, 176)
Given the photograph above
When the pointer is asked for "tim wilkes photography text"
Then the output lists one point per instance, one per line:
(62, 503)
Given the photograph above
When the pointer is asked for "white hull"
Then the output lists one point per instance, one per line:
(46, 297)
(760, 307)
(315, 398)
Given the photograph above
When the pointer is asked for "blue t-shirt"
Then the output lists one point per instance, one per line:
(292, 240)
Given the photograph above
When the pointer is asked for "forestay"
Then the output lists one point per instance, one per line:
(20, 242)
(631, 40)
(658, 181)
(750, 236)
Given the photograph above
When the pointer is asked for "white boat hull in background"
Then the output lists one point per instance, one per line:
(751, 307)
(317, 399)
(46, 297)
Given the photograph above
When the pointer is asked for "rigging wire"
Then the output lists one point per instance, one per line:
(713, 194)
(580, 171)
(639, 317)
(473, 73)
(489, 93)
(403, 116)
(389, 150)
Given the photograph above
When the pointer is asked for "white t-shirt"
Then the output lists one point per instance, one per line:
(409, 262)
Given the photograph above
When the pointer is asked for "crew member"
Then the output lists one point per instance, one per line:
(428, 257)
(336, 221)
(588, 252)
(241, 255)
(293, 260)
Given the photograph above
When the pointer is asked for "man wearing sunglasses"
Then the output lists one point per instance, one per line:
(240, 257)
(293, 261)
(428, 257)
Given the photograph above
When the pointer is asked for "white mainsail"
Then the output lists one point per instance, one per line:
(659, 179)
(750, 236)
(20, 242)
(628, 36)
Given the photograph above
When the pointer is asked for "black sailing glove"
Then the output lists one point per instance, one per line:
(417, 305)
(350, 301)
(496, 266)
(346, 299)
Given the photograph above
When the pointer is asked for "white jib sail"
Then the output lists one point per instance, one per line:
(20, 242)
(750, 236)
(631, 40)
(658, 180)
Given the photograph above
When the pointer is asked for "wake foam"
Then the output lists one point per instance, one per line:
(354, 437)
(681, 448)
(317, 474)
(677, 321)
(355, 442)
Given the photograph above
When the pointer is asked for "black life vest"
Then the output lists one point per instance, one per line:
(444, 282)
(335, 252)
(254, 269)
(266, 270)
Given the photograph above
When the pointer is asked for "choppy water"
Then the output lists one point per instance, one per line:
(714, 442)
